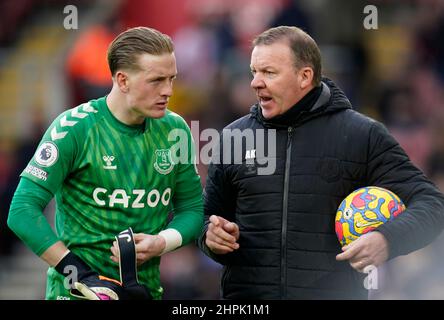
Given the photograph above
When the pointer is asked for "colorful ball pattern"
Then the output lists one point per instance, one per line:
(364, 210)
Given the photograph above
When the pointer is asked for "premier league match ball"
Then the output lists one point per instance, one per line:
(364, 210)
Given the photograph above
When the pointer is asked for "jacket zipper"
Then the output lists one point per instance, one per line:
(284, 217)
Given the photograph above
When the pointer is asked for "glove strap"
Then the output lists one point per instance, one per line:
(127, 258)
(70, 261)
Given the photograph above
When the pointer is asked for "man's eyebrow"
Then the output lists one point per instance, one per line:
(265, 68)
(161, 76)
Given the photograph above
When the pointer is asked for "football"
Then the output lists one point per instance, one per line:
(364, 210)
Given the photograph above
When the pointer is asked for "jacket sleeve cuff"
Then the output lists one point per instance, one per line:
(393, 250)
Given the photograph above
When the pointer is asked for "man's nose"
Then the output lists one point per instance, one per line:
(257, 82)
(167, 89)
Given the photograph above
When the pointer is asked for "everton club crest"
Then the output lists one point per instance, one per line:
(163, 164)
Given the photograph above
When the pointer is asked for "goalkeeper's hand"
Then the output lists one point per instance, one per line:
(89, 284)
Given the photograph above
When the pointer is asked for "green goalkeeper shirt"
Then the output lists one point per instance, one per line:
(107, 176)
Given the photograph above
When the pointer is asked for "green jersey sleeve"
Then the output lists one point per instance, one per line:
(43, 177)
(26, 217)
(56, 153)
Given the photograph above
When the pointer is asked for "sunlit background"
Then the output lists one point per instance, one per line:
(394, 74)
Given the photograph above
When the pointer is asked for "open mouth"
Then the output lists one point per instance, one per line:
(264, 100)
(162, 104)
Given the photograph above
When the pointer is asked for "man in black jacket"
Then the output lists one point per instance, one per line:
(274, 233)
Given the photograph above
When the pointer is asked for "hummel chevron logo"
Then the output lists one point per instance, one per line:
(64, 122)
(57, 135)
(86, 108)
(78, 114)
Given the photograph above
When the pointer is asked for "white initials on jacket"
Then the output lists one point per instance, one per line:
(119, 196)
(250, 154)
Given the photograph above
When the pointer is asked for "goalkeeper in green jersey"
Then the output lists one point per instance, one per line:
(112, 164)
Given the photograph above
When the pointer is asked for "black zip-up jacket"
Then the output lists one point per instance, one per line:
(287, 240)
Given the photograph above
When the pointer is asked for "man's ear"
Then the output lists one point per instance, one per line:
(306, 76)
(122, 80)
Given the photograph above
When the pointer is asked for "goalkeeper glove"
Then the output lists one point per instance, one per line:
(89, 284)
(92, 286)
(128, 267)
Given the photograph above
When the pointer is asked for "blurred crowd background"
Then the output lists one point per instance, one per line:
(394, 74)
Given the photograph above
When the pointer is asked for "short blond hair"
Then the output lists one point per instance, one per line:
(127, 46)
